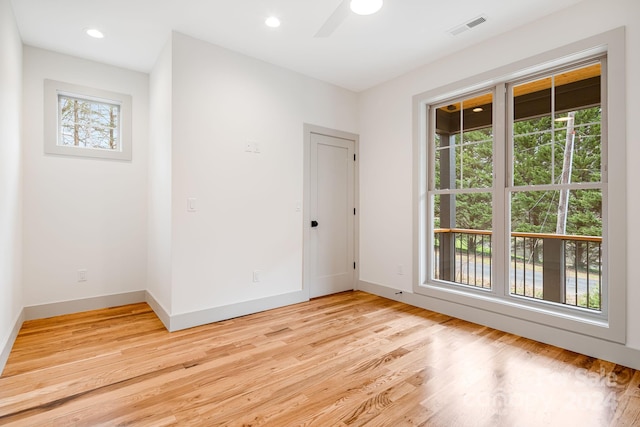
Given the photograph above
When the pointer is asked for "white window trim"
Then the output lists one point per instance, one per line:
(613, 327)
(51, 124)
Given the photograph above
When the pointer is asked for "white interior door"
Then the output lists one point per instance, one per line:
(331, 210)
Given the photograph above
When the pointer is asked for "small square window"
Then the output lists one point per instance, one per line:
(86, 122)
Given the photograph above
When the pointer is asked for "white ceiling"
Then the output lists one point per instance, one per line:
(362, 52)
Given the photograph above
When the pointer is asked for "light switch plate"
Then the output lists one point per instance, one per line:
(191, 204)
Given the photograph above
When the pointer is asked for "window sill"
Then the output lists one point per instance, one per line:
(558, 317)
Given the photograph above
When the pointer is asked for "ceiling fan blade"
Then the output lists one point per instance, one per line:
(334, 20)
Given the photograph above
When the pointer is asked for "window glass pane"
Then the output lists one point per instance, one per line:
(438, 176)
(556, 246)
(532, 158)
(462, 238)
(579, 132)
(479, 158)
(464, 144)
(556, 130)
(87, 123)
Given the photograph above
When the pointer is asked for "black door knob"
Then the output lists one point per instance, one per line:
(314, 223)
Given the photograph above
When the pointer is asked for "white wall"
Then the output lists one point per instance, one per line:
(386, 136)
(159, 182)
(10, 175)
(246, 215)
(82, 213)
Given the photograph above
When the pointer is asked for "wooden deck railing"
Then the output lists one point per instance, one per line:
(562, 268)
(517, 234)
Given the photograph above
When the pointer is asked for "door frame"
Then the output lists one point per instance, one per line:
(306, 215)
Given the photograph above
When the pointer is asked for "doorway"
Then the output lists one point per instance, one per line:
(330, 263)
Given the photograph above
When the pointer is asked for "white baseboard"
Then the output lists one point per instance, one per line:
(177, 322)
(75, 306)
(5, 350)
(174, 322)
(590, 346)
(159, 309)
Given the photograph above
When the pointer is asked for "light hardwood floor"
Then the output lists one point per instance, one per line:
(345, 360)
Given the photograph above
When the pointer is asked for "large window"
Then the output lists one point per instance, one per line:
(515, 193)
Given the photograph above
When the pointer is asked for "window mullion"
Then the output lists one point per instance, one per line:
(500, 211)
(427, 158)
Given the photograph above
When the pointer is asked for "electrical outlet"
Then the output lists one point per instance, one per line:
(82, 275)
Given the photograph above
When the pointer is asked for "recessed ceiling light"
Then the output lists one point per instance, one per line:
(272, 22)
(96, 34)
(478, 109)
(365, 7)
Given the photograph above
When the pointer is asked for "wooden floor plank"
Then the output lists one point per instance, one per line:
(349, 359)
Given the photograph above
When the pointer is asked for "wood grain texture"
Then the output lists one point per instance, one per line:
(349, 359)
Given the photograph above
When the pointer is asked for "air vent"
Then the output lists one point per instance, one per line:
(476, 22)
(467, 26)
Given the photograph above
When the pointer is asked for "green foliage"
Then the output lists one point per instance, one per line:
(538, 150)
(593, 301)
(474, 211)
(538, 156)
